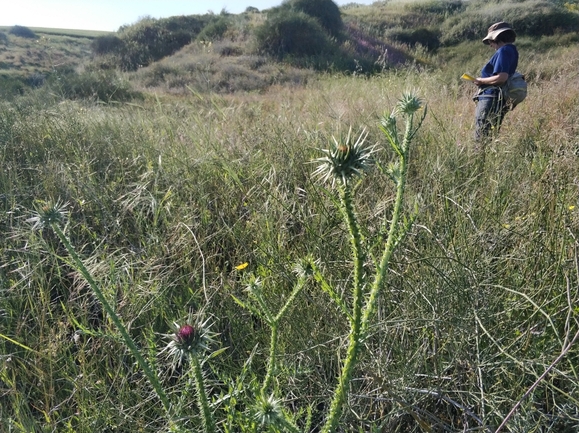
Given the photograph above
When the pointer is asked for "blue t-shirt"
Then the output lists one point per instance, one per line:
(505, 59)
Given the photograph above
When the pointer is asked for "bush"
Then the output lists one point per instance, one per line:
(150, 40)
(106, 44)
(23, 32)
(158, 73)
(325, 11)
(529, 18)
(423, 36)
(292, 33)
(11, 87)
(215, 29)
(105, 86)
(437, 7)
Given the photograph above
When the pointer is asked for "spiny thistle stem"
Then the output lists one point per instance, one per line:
(341, 392)
(271, 365)
(274, 325)
(408, 105)
(114, 317)
(362, 313)
(391, 243)
(202, 399)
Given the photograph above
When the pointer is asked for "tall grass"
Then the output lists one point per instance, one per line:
(168, 195)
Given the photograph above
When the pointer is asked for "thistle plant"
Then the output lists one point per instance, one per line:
(345, 159)
(267, 409)
(342, 163)
(189, 344)
(53, 216)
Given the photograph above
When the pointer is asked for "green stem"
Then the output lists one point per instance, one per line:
(355, 341)
(362, 314)
(274, 324)
(206, 415)
(272, 358)
(115, 318)
(341, 392)
(289, 426)
(391, 243)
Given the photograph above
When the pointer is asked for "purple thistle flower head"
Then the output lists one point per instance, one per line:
(185, 335)
(193, 338)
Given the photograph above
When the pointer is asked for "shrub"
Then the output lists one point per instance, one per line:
(106, 86)
(423, 36)
(152, 37)
(227, 50)
(157, 74)
(11, 87)
(150, 40)
(291, 33)
(234, 78)
(23, 32)
(325, 11)
(215, 29)
(106, 44)
(530, 18)
(438, 7)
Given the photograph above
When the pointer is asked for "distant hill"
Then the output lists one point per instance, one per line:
(256, 49)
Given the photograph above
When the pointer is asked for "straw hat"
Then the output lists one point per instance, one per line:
(496, 29)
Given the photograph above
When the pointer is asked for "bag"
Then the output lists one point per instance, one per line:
(514, 90)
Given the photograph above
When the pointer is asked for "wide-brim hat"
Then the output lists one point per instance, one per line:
(496, 29)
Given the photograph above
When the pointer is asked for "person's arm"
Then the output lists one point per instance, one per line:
(496, 80)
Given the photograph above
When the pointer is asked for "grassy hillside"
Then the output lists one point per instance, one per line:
(183, 193)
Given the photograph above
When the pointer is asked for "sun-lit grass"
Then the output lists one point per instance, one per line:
(169, 195)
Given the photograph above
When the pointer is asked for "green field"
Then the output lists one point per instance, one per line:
(62, 32)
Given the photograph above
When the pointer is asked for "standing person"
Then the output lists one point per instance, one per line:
(490, 105)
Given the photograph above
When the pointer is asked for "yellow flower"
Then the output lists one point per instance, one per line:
(242, 266)
(571, 207)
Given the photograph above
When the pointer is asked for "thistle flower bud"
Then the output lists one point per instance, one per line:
(185, 335)
(345, 159)
(408, 104)
(305, 267)
(48, 213)
(188, 340)
(267, 411)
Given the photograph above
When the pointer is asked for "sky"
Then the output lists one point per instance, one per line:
(109, 15)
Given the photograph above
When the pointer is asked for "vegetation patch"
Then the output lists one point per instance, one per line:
(230, 240)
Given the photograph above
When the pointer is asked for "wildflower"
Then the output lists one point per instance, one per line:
(190, 339)
(571, 207)
(408, 104)
(242, 266)
(346, 159)
(48, 214)
(186, 335)
(268, 411)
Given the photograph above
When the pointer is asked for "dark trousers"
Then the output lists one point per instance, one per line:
(490, 112)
